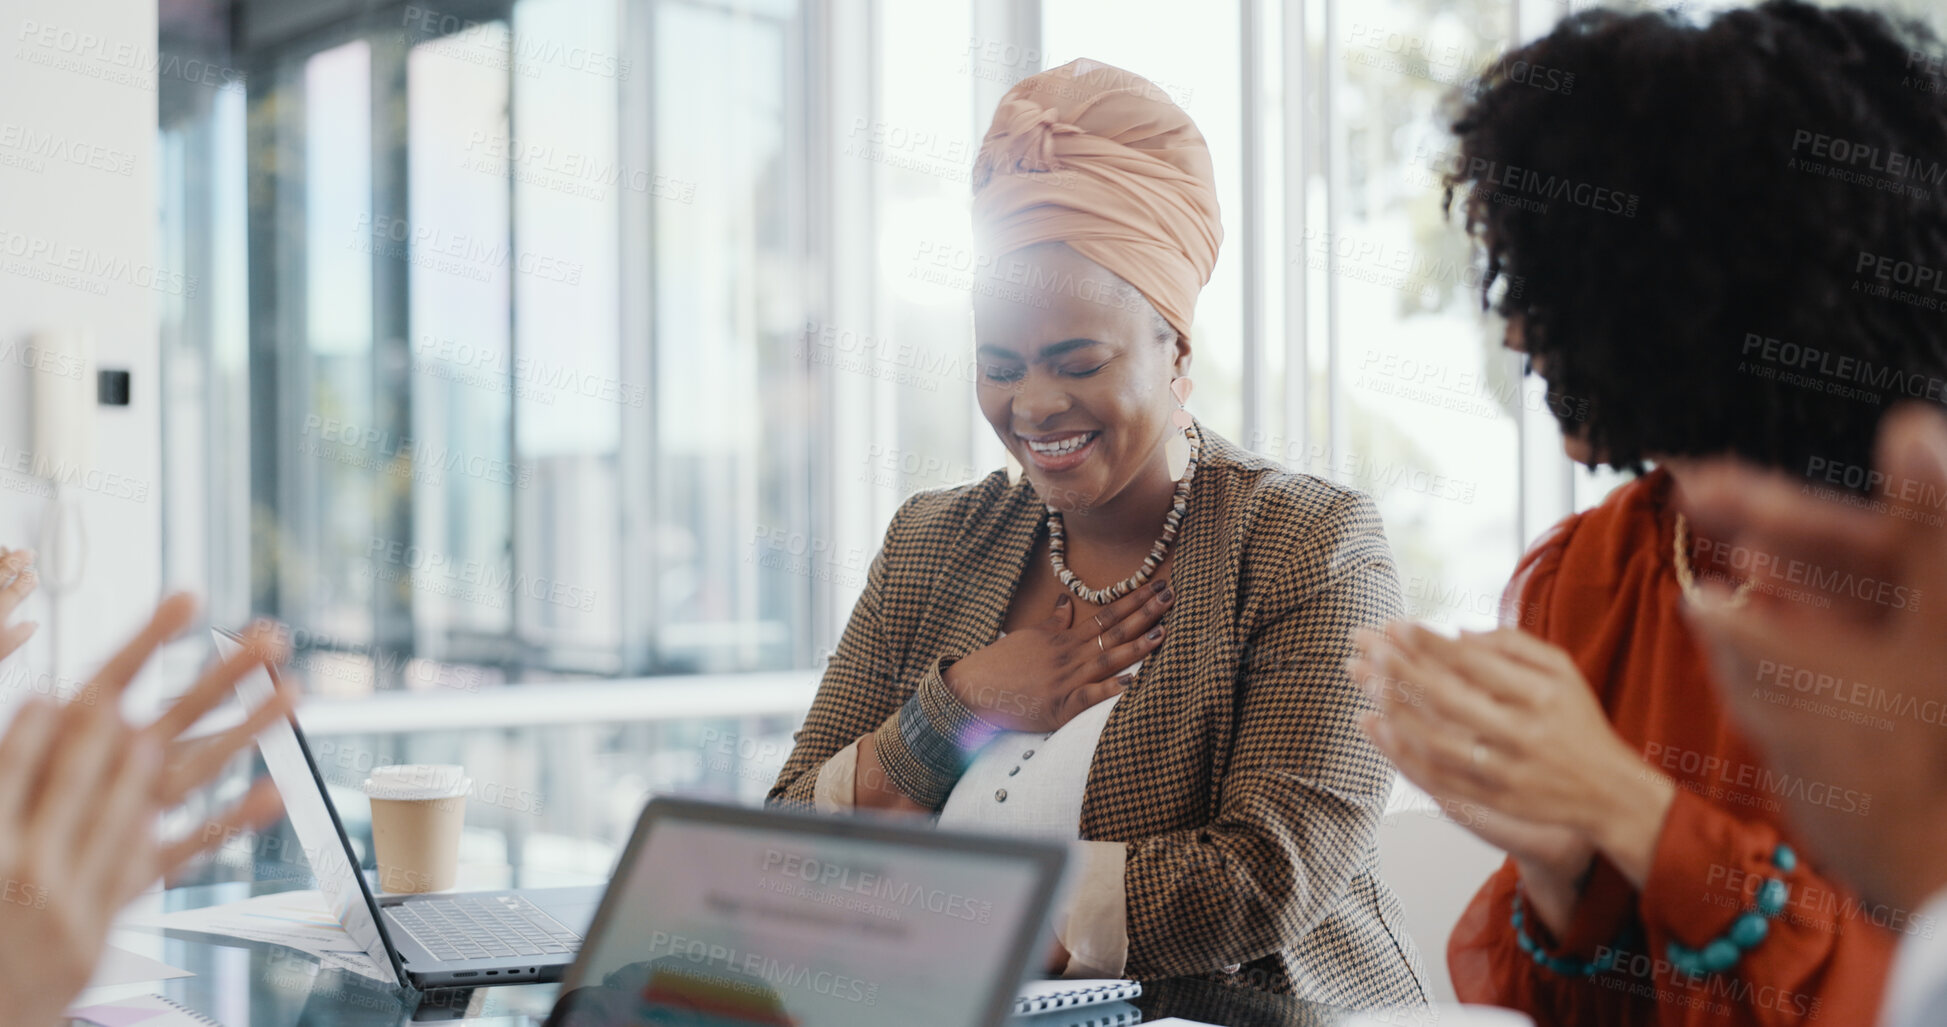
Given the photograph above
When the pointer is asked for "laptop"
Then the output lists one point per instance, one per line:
(725, 915)
(432, 940)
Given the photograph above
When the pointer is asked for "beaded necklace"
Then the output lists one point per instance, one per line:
(1058, 548)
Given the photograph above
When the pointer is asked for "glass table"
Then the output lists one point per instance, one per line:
(239, 983)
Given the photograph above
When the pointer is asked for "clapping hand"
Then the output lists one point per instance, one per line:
(81, 791)
(1503, 724)
(1878, 630)
(17, 580)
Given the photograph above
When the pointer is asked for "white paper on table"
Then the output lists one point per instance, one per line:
(142, 1010)
(120, 966)
(295, 919)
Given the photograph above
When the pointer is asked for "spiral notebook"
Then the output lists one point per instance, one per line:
(1049, 996)
(141, 1011)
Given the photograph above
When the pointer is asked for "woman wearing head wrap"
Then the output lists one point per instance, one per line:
(1140, 643)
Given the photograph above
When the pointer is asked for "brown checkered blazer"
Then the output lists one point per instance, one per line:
(1234, 767)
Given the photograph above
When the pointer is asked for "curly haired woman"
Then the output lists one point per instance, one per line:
(1747, 304)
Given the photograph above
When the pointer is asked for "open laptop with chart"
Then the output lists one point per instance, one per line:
(725, 915)
(433, 940)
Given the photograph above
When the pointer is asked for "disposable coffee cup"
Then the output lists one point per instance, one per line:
(417, 812)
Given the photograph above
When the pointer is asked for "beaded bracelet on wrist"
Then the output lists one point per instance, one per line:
(1567, 966)
(929, 743)
(1746, 931)
(949, 716)
(913, 778)
(1719, 955)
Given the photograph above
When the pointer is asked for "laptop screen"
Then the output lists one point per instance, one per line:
(316, 824)
(761, 919)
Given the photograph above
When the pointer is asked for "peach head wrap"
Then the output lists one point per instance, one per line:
(1100, 159)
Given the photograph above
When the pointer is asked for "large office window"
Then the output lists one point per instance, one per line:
(521, 393)
(1425, 399)
(727, 517)
(459, 341)
(341, 462)
(917, 147)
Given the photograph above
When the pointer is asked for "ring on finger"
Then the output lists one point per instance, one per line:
(1480, 754)
(1100, 645)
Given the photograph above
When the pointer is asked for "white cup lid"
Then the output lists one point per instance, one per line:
(418, 781)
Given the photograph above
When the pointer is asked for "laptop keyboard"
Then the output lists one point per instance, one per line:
(483, 927)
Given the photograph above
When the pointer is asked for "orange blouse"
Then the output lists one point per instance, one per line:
(1602, 585)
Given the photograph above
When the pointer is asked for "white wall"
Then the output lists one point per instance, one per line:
(78, 254)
